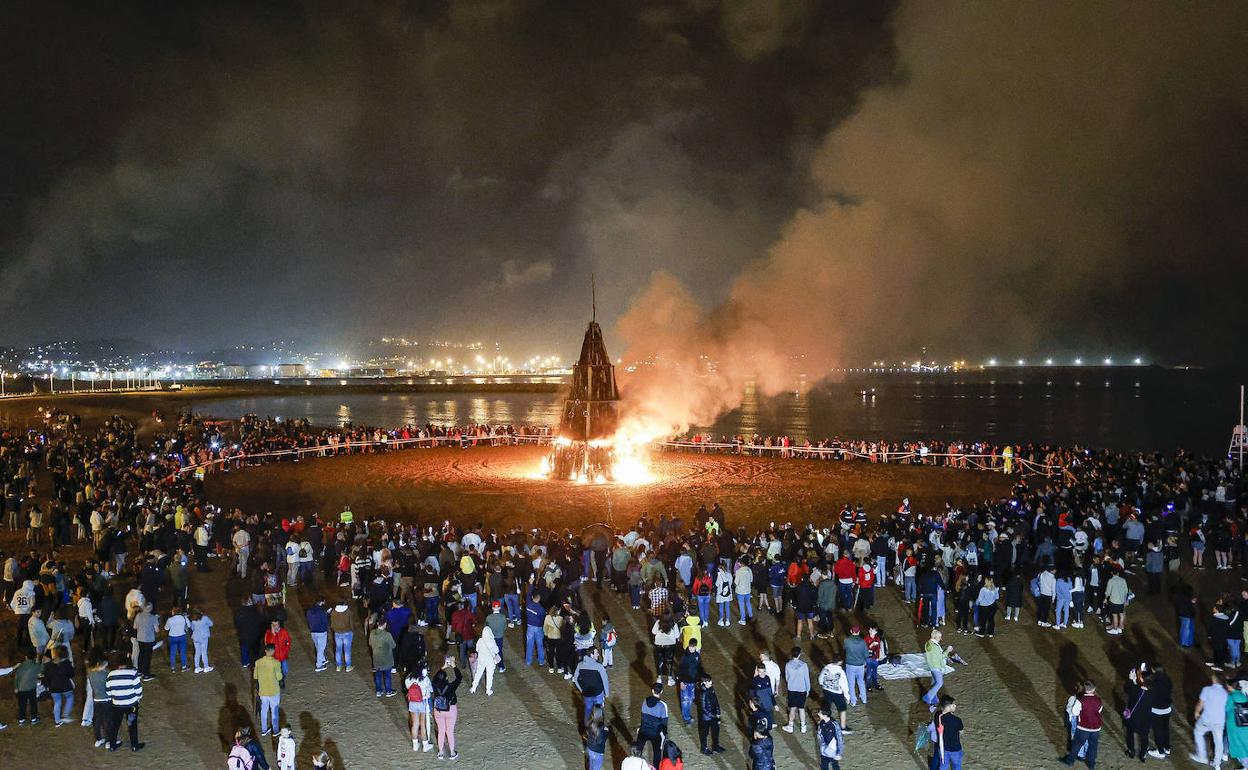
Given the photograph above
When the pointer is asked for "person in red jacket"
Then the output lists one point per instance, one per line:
(845, 572)
(703, 587)
(1086, 710)
(464, 625)
(280, 639)
(866, 584)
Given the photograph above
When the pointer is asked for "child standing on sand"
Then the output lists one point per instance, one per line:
(286, 750)
(609, 640)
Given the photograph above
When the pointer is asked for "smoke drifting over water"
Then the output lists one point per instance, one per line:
(1040, 166)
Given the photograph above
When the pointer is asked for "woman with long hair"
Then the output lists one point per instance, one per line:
(986, 608)
(419, 691)
(446, 708)
(596, 734)
(666, 636)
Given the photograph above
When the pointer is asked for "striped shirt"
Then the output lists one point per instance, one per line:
(124, 687)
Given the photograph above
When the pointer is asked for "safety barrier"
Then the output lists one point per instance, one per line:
(987, 462)
(345, 447)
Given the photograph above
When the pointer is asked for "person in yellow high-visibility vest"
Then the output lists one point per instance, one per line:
(346, 517)
(1008, 455)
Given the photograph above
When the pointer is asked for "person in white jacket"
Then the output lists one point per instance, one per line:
(487, 661)
(723, 594)
(22, 603)
(743, 580)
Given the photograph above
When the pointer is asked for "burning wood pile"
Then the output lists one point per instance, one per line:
(585, 449)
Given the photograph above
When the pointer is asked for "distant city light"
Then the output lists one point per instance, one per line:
(992, 362)
(1021, 362)
(1048, 362)
(1078, 362)
(1109, 361)
(1138, 361)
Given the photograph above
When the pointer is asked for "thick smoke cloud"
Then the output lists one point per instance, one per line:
(1041, 174)
(209, 173)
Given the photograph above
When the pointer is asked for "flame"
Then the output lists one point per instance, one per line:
(631, 464)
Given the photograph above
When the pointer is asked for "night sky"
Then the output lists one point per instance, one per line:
(839, 179)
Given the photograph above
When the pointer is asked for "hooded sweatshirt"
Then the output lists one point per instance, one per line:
(23, 600)
(340, 619)
(591, 678)
(653, 716)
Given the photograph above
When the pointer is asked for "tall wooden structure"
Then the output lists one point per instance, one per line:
(590, 414)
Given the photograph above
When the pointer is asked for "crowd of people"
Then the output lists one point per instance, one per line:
(434, 604)
(211, 443)
(953, 454)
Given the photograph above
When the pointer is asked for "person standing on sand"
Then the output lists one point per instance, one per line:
(936, 657)
(1162, 690)
(797, 682)
(249, 627)
(1236, 733)
(856, 655)
(487, 661)
(242, 550)
(382, 645)
(949, 728)
(201, 632)
(835, 685)
(590, 679)
(445, 706)
(279, 638)
(596, 736)
(831, 742)
(125, 689)
(268, 676)
(709, 716)
(1210, 721)
(1086, 709)
(1117, 593)
(761, 745)
(318, 627)
(341, 624)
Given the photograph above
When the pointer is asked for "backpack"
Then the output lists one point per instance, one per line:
(440, 701)
(1035, 586)
(1240, 710)
(240, 759)
(414, 693)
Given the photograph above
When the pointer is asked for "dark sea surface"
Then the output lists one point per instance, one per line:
(1120, 407)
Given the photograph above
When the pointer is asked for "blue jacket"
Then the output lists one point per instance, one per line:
(318, 619)
(534, 614)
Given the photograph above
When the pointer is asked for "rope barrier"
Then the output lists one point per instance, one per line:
(986, 462)
(329, 450)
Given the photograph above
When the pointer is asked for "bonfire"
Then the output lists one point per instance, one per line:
(591, 448)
